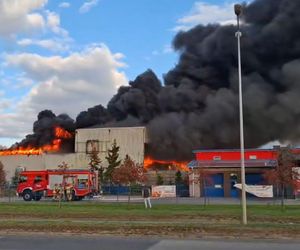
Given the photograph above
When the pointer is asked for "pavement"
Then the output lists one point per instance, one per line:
(177, 200)
(76, 242)
(197, 201)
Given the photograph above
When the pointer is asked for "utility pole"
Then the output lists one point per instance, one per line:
(238, 34)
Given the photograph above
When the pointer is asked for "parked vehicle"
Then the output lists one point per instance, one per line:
(72, 184)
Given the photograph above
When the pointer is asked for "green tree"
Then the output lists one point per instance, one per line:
(159, 180)
(95, 165)
(15, 178)
(178, 178)
(113, 161)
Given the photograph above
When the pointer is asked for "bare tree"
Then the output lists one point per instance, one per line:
(203, 177)
(2, 178)
(96, 166)
(285, 174)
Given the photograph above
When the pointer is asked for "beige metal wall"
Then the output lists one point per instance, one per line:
(11, 162)
(36, 162)
(131, 141)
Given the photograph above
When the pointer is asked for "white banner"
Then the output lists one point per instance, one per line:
(263, 191)
(164, 191)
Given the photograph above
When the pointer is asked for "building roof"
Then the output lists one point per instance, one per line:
(111, 127)
(238, 150)
(231, 150)
(233, 164)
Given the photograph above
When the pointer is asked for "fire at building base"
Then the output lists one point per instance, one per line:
(213, 173)
(131, 141)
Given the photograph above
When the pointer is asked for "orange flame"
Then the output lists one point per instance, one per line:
(60, 133)
(149, 162)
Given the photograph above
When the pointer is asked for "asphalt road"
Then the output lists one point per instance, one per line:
(35, 242)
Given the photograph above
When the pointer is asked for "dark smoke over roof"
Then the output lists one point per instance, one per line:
(197, 107)
(43, 130)
(204, 83)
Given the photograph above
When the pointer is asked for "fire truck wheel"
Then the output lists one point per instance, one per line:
(37, 197)
(27, 195)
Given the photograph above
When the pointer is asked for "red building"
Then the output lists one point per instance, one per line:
(222, 170)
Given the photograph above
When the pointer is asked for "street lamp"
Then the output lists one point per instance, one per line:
(238, 34)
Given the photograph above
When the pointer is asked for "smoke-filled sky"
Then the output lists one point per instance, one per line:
(67, 56)
(195, 104)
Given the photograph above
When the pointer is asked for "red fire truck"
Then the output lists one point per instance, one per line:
(33, 185)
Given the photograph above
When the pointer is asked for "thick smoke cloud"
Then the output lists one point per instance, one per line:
(197, 106)
(139, 99)
(135, 104)
(43, 130)
(93, 116)
(204, 83)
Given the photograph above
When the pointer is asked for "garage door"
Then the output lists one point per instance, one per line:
(214, 186)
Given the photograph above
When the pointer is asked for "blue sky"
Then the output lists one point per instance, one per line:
(70, 55)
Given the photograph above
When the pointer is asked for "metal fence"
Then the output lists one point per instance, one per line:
(8, 193)
(121, 190)
(136, 190)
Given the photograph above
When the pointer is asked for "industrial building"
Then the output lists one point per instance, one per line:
(221, 170)
(131, 141)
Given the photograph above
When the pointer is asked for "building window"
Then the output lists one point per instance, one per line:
(92, 145)
(217, 158)
(22, 178)
(37, 179)
(252, 157)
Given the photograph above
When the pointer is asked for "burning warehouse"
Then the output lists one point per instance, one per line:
(196, 105)
(131, 141)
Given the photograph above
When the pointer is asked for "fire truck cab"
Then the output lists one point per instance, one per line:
(33, 185)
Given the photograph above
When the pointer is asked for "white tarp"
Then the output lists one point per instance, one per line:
(164, 191)
(263, 191)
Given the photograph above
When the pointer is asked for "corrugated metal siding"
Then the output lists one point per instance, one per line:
(11, 162)
(130, 139)
(37, 162)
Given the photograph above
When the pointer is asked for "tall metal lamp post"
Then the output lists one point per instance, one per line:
(238, 34)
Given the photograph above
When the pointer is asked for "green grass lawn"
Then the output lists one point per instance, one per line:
(96, 210)
(161, 219)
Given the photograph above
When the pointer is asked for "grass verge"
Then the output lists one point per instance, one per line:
(163, 220)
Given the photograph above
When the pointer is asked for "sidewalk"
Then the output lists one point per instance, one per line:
(196, 201)
(178, 200)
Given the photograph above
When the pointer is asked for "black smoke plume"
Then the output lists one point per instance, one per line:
(197, 106)
(44, 133)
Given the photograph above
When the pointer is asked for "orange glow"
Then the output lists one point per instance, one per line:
(149, 163)
(60, 133)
